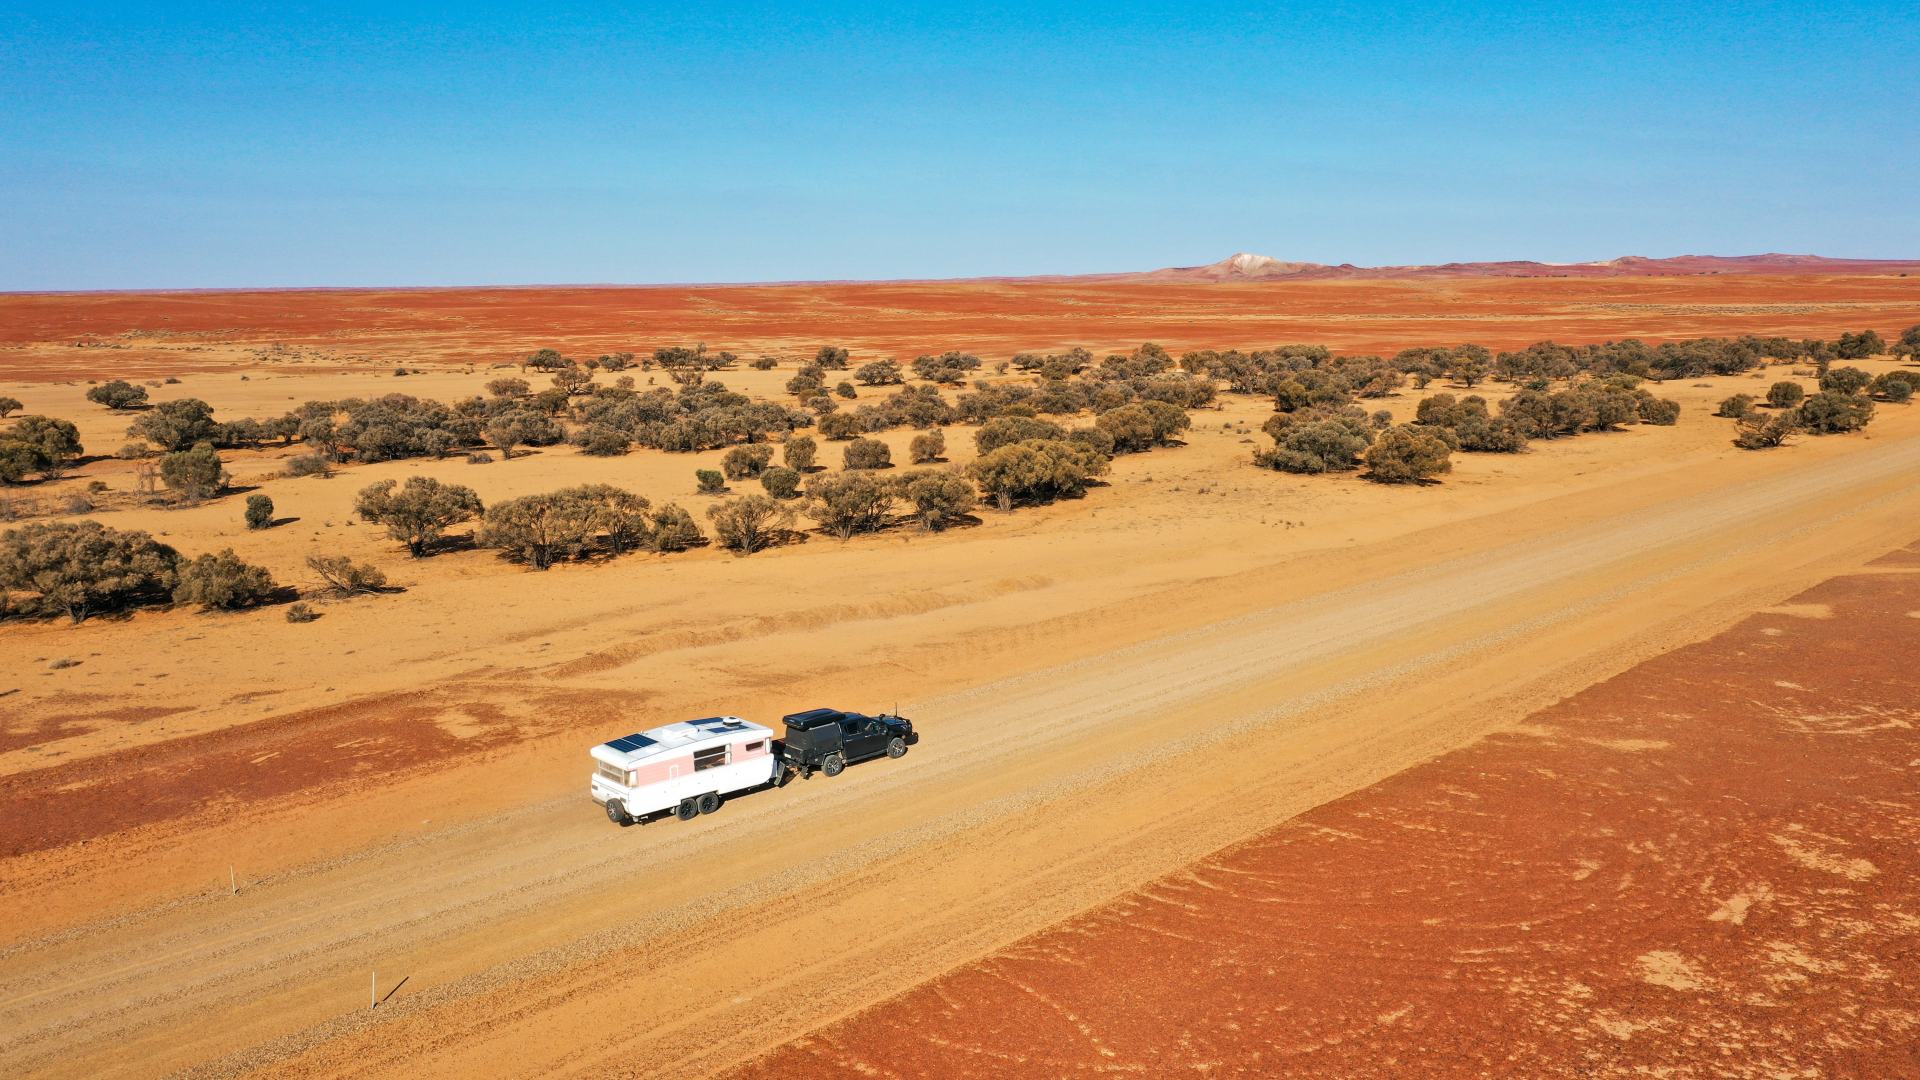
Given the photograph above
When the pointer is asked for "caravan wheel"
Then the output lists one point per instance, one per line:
(687, 810)
(709, 802)
(617, 812)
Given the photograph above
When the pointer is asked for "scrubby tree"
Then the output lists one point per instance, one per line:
(84, 568)
(746, 462)
(259, 512)
(841, 425)
(880, 373)
(521, 427)
(1895, 386)
(509, 388)
(1845, 380)
(599, 440)
(709, 481)
(1664, 412)
(1785, 394)
(780, 481)
(832, 357)
(928, 447)
(537, 529)
(867, 454)
(1407, 454)
(938, 498)
(1468, 364)
(619, 517)
(1037, 470)
(223, 582)
(118, 394)
(798, 452)
(9, 406)
(1735, 407)
(1131, 427)
(671, 528)
(850, 503)
(176, 425)
(1759, 431)
(749, 523)
(43, 444)
(1833, 413)
(1007, 430)
(418, 513)
(344, 577)
(195, 474)
(1316, 446)
(1859, 346)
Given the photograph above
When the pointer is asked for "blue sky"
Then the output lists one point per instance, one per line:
(175, 145)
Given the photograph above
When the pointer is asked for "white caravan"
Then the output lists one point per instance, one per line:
(685, 767)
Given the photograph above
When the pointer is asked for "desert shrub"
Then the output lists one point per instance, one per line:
(949, 368)
(1858, 347)
(709, 481)
(867, 454)
(344, 577)
(418, 513)
(1007, 430)
(521, 427)
(176, 425)
(850, 503)
(259, 512)
(1037, 470)
(764, 363)
(1735, 407)
(671, 528)
(1481, 433)
(1785, 394)
(746, 462)
(301, 612)
(479, 457)
(1406, 454)
(841, 425)
(1168, 419)
(1895, 386)
(1831, 413)
(9, 406)
(1317, 446)
(118, 394)
(1093, 439)
(223, 582)
(832, 358)
(41, 444)
(1658, 410)
(938, 498)
(780, 481)
(309, 465)
(132, 451)
(880, 373)
(749, 523)
(798, 452)
(573, 381)
(546, 360)
(1760, 431)
(195, 474)
(1131, 427)
(620, 519)
(508, 388)
(602, 441)
(928, 447)
(845, 390)
(1845, 380)
(84, 568)
(537, 529)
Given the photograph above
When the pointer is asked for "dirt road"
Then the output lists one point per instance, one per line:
(544, 941)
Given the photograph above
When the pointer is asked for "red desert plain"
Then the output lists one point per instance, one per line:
(1587, 750)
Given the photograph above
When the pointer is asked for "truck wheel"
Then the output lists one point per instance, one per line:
(617, 813)
(687, 810)
(833, 765)
(896, 747)
(709, 802)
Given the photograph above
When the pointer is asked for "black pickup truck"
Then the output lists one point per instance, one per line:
(829, 740)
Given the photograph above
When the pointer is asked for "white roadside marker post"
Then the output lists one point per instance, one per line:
(233, 880)
(373, 988)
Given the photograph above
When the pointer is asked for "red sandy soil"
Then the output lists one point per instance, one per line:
(1703, 866)
(154, 334)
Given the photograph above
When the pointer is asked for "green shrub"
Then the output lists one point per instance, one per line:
(1735, 407)
(867, 454)
(223, 582)
(672, 529)
(344, 577)
(1407, 454)
(709, 481)
(749, 523)
(1833, 413)
(309, 465)
(841, 425)
(1759, 431)
(84, 568)
(537, 529)
(1037, 470)
(118, 394)
(1009, 429)
(195, 474)
(1845, 380)
(1657, 410)
(1316, 446)
(1785, 394)
(41, 444)
(928, 447)
(418, 513)
(746, 462)
(938, 498)
(880, 373)
(259, 512)
(850, 503)
(798, 452)
(780, 482)
(176, 425)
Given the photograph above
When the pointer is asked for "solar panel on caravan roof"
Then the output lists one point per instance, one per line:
(630, 743)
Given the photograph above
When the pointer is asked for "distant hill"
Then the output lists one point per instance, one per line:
(1248, 267)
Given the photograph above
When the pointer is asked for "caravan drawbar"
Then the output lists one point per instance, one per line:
(689, 768)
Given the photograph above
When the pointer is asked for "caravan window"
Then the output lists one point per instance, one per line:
(711, 758)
